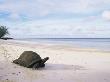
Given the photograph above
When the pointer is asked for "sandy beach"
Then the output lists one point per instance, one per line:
(66, 63)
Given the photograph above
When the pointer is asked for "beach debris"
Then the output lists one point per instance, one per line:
(31, 59)
(13, 73)
(7, 79)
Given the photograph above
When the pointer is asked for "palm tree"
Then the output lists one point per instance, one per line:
(3, 31)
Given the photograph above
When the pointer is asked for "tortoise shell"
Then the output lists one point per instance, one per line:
(28, 59)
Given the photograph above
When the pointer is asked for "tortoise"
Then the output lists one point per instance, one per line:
(31, 59)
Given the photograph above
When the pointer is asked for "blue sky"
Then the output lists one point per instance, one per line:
(56, 18)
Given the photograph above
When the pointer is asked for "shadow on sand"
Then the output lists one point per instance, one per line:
(62, 67)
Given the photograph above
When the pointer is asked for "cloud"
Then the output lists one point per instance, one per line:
(41, 8)
(106, 15)
(76, 18)
(49, 28)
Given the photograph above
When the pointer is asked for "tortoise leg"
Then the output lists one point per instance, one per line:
(36, 66)
(42, 65)
(16, 61)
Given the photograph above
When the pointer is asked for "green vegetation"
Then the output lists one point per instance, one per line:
(3, 31)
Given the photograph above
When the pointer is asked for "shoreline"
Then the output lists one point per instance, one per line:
(66, 63)
(56, 45)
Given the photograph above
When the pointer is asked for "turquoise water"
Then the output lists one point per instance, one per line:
(99, 43)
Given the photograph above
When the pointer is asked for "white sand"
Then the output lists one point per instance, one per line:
(66, 64)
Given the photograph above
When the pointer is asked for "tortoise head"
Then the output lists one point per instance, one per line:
(45, 59)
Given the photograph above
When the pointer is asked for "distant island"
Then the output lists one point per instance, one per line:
(6, 38)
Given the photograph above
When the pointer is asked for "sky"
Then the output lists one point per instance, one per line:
(56, 18)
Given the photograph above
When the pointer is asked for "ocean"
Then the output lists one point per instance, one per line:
(97, 43)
